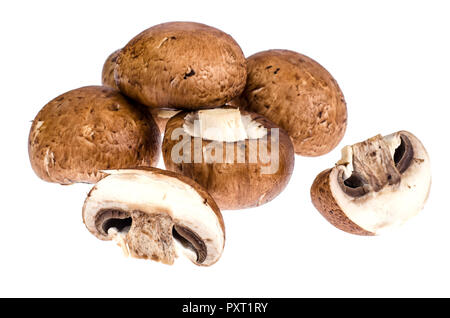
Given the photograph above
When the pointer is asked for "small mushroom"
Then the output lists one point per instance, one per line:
(377, 185)
(108, 70)
(181, 65)
(89, 129)
(300, 96)
(241, 158)
(156, 214)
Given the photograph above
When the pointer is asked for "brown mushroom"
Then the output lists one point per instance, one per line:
(300, 96)
(241, 158)
(181, 65)
(156, 214)
(108, 70)
(89, 129)
(377, 185)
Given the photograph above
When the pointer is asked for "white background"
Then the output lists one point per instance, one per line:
(392, 61)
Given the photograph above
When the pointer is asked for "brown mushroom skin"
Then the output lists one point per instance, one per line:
(108, 80)
(300, 96)
(181, 65)
(108, 70)
(323, 200)
(89, 129)
(234, 185)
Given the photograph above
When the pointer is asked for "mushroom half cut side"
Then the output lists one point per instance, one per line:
(377, 185)
(241, 158)
(156, 214)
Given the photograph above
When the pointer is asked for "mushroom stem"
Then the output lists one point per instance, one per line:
(373, 161)
(150, 236)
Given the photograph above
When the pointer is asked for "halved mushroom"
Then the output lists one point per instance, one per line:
(89, 129)
(156, 214)
(181, 65)
(108, 70)
(300, 96)
(241, 158)
(377, 185)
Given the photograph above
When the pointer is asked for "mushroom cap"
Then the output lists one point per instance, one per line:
(236, 182)
(108, 70)
(89, 129)
(378, 184)
(160, 115)
(171, 205)
(300, 96)
(181, 65)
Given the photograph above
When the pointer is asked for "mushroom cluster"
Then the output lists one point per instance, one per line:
(229, 128)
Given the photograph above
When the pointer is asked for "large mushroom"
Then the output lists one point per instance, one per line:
(300, 96)
(156, 214)
(89, 129)
(241, 158)
(181, 65)
(377, 185)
